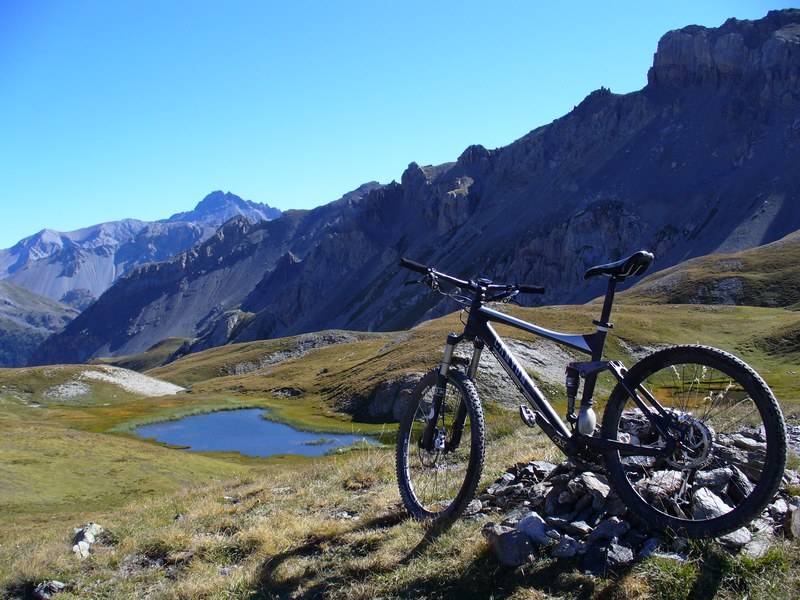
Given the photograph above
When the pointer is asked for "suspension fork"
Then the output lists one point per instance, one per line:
(461, 415)
(426, 442)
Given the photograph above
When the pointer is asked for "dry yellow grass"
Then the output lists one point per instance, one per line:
(329, 527)
(333, 528)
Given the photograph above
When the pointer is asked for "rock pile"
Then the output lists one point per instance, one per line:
(84, 538)
(47, 589)
(569, 512)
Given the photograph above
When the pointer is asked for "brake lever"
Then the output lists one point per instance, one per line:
(511, 299)
(429, 280)
(504, 297)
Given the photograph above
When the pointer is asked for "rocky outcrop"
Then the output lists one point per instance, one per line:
(389, 399)
(763, 53)
(569, 512)
(47, 589)
(84, 538)
(702, 160)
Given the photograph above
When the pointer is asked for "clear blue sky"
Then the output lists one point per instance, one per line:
(139, 108)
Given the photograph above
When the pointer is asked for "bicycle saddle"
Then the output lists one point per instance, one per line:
(635, 264)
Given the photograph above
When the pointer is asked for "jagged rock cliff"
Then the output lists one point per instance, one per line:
(703, 159)
(76, 267)
(762, 54)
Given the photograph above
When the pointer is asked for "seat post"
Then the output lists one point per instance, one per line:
(608, 302)
(603, 324)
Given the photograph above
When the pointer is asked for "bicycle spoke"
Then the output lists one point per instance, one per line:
(720, 472)
(436, 482)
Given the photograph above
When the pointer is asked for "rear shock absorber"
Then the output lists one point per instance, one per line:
(586, 420)
(572, 380)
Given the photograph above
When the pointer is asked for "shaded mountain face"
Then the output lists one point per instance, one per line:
(77, 267)
(26, 320)
(702, 160)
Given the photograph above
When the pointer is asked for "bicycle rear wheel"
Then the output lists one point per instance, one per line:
(437, 485)
(732, 442)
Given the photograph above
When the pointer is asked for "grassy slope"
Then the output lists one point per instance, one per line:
(26, 320)
(334, 529)
(768, 275)
(51, 472)
(151, 358)
(56, 462)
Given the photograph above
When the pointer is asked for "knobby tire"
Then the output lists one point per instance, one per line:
(437, 486)
(733, 449)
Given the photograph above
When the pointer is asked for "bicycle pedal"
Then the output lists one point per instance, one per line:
(527, 415)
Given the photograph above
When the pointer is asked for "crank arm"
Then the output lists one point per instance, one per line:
(623, 448)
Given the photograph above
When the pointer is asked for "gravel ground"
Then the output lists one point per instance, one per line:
(65, 391)
(130, 381)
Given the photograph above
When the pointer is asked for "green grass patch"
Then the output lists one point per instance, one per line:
(153, 357)
(314, 415)
(51, 472)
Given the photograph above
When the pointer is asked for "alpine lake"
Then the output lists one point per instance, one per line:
(247, 432)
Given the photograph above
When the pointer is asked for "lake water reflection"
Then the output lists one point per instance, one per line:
(245, 431)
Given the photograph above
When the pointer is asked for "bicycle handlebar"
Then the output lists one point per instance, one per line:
(413, 266)
(530, 289)
(470, 285)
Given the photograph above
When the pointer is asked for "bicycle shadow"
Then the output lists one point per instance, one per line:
(271, 581)
(316, 579)
(287, 573)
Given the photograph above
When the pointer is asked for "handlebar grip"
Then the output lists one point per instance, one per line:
(413, 266)
(531, 289)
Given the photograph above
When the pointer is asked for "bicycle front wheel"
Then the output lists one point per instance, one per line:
(436, 484)
(731, 442)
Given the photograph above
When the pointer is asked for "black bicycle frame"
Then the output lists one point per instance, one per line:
(479, 330)
(478, 326)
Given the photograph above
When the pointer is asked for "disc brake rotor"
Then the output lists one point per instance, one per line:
(694, 441)
(431, 458)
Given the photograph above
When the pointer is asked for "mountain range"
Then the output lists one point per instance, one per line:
(76, 267)
(701, 160)
(47, 278)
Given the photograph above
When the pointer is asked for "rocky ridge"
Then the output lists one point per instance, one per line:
(761, 53)
(218, 207)
(715, 131)
(26, 320)
(76, 267)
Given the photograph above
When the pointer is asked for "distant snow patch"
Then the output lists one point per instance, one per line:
(134, 382)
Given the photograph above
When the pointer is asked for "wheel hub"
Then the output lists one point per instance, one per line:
(430, 458)
(693, 443)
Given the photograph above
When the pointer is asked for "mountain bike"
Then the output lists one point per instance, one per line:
(692, 438)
